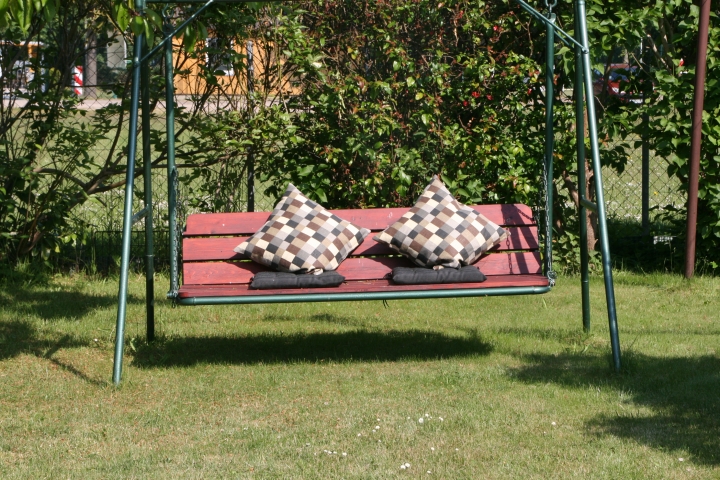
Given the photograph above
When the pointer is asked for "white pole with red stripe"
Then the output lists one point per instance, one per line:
(77, 80)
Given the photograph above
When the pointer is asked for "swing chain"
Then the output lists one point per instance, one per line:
(166, 14)
(179, 214)
(550, 273)
(550, 6)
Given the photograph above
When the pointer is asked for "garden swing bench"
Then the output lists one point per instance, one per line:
(212, 273)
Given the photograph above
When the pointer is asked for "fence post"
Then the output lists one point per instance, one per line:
(645, 154)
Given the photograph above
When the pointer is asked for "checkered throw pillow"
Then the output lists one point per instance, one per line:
(440, 232)
(300, 236)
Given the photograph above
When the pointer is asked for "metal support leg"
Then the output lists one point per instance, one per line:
(128, 213)
(147, 175)
(581, 160)
(581, 21)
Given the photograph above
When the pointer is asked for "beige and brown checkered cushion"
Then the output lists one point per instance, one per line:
(440, 231)
(301, 236)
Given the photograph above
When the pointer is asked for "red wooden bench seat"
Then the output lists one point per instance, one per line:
(212, 270)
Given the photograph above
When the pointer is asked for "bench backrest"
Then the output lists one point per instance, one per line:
(209, 240)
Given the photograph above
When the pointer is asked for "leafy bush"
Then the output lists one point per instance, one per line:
(404, 90)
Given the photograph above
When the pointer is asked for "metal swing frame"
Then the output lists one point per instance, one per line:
(140, 101)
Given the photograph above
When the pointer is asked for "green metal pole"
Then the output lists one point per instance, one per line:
(147, 176)
(600, 196)
(127, 214)
(549, 138)
(171, 168)
(580, 141)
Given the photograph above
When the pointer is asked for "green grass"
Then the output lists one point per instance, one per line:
(265, 391)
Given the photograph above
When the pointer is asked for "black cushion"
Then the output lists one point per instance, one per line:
(425, 276)
(270, 280)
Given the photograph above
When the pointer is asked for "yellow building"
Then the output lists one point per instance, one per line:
(230, 64)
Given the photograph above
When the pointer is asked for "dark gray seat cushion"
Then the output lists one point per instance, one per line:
(426, 276)
(273, 280)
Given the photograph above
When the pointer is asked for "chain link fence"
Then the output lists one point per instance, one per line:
(643, 202)
(635, 209)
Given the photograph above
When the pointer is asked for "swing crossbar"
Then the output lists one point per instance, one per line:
(214, 274)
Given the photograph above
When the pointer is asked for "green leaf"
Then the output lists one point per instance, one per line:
(50, 10)
(122, 15)
(149, 33)
(306, 170)
(4, 5)
(321, 194)
(22, 11)
(190, 38)
(410, 81)
(202, 30)
(425, 118)
(154, 18)
(137, 25)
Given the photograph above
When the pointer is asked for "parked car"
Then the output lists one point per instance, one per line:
(622, 83)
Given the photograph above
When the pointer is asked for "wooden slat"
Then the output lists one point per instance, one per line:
(189, 291)
(353, 269)
(221, 248)
(372, 218)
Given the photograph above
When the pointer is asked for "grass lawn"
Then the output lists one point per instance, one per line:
(458, 388)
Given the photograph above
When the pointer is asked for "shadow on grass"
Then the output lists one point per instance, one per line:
(359, 346)
(48, 304)
(19, 337)
(682, 393)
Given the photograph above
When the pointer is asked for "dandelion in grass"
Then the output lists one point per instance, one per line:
(421, 420)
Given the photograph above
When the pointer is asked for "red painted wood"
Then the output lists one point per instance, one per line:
(197, 249)
(375, 219)
(189, 291)
(353, 269)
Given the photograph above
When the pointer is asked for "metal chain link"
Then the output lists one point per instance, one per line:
(180, 212)
(550, 5)
(545, 235)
